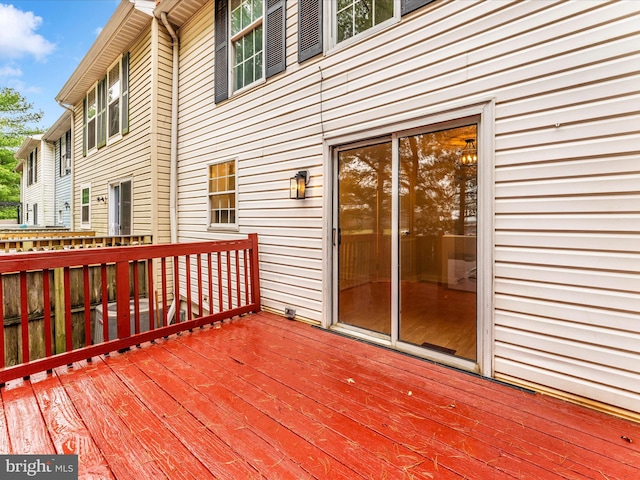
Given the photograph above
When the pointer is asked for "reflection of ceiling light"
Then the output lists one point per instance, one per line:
(469, 154)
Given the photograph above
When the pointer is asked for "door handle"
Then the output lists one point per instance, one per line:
(405, 233)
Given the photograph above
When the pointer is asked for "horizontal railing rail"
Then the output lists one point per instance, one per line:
(214, 280)
(66, 242)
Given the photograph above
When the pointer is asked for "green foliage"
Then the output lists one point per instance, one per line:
(17, 121)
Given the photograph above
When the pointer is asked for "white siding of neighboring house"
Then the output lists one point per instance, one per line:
(564, 77)
(62, 188)
(47, 209)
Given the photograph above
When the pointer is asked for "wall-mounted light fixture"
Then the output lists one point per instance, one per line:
(67, 206)
(101, 199)
(298, 185)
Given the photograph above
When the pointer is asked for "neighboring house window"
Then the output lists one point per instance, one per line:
(222, 193)
(249, 43)
(35, 214)
(85, 206)
(32, 167)
(347, 18)
(106, 107)
(63, 153)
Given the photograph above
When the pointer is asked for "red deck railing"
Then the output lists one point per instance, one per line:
(215, 280)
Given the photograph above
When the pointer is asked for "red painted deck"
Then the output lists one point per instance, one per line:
(264, 397)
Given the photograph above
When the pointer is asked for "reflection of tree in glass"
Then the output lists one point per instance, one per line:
(430, 182)
(356, 16)
(365, 189)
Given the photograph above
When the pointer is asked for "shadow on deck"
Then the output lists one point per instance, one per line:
(264, 397)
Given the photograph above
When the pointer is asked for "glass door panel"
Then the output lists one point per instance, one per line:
(437, 258)
(364, 237)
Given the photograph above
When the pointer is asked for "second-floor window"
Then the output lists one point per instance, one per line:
(249, 43)
(63, 154)
(106, 107)
(32, 167)
(353, 17)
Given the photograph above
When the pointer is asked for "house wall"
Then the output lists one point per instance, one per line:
(126, 158)
(62, 189)
(566, 248)
(47, 211)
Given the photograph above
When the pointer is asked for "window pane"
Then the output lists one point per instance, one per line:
(345, 24)
(383, 10)
(91, 104)
(85, 214)
(91, 134)
(236, 21)
(114, 84)
(257, 9)
(114, 119)
(363, 15)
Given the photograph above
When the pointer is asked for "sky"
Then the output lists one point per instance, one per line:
(41, 44)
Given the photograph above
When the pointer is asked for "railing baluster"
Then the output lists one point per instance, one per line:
(176, 287)
(68, 327)
(246, 277)
(238, 296)
(199, 257)
(47, 312)
(136, 297)
(24, 314)
(163, 266)
(87, 305)
(187, 266)
(220, 304)
(151, 295)
(255, 277)
(229, 287)
(105, 303)
(210, 282)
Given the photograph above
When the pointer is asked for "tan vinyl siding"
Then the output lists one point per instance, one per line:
(564, 77)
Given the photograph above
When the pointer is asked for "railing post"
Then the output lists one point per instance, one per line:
(122, 299)
(255, 271)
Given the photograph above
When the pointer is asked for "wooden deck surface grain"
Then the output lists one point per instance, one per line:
(265, 397)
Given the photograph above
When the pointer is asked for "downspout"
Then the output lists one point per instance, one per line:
(73, 161)
(173, 170)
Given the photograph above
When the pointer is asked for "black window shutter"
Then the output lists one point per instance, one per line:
(221, 56)
(309, 29)
(84, 127)
(408, 6)
(275, 34)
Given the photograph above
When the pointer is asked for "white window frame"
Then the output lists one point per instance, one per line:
(233, 39)
(121, 110)
(85, 224)
(222, 226)
(331, 33)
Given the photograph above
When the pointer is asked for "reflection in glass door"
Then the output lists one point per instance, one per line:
(438, 220)
(431, 300)
(364, 237)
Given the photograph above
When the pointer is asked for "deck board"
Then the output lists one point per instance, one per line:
(265, 397)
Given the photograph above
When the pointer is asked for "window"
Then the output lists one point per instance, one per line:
(222, 193)
(246, 41)
(35, 214)
(356, 16)
(63, 154)
(249, 43)
(32, 167)
(85, 206)
(348, 19)
(106, 107)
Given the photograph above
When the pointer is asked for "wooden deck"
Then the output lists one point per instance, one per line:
(265, 397)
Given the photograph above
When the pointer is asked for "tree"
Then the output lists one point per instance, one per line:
(17, 121)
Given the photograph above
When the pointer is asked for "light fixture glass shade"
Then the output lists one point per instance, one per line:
(298, 185)
(469, 154)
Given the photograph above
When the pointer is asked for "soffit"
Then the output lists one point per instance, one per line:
(124, 26)
(179, 11)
